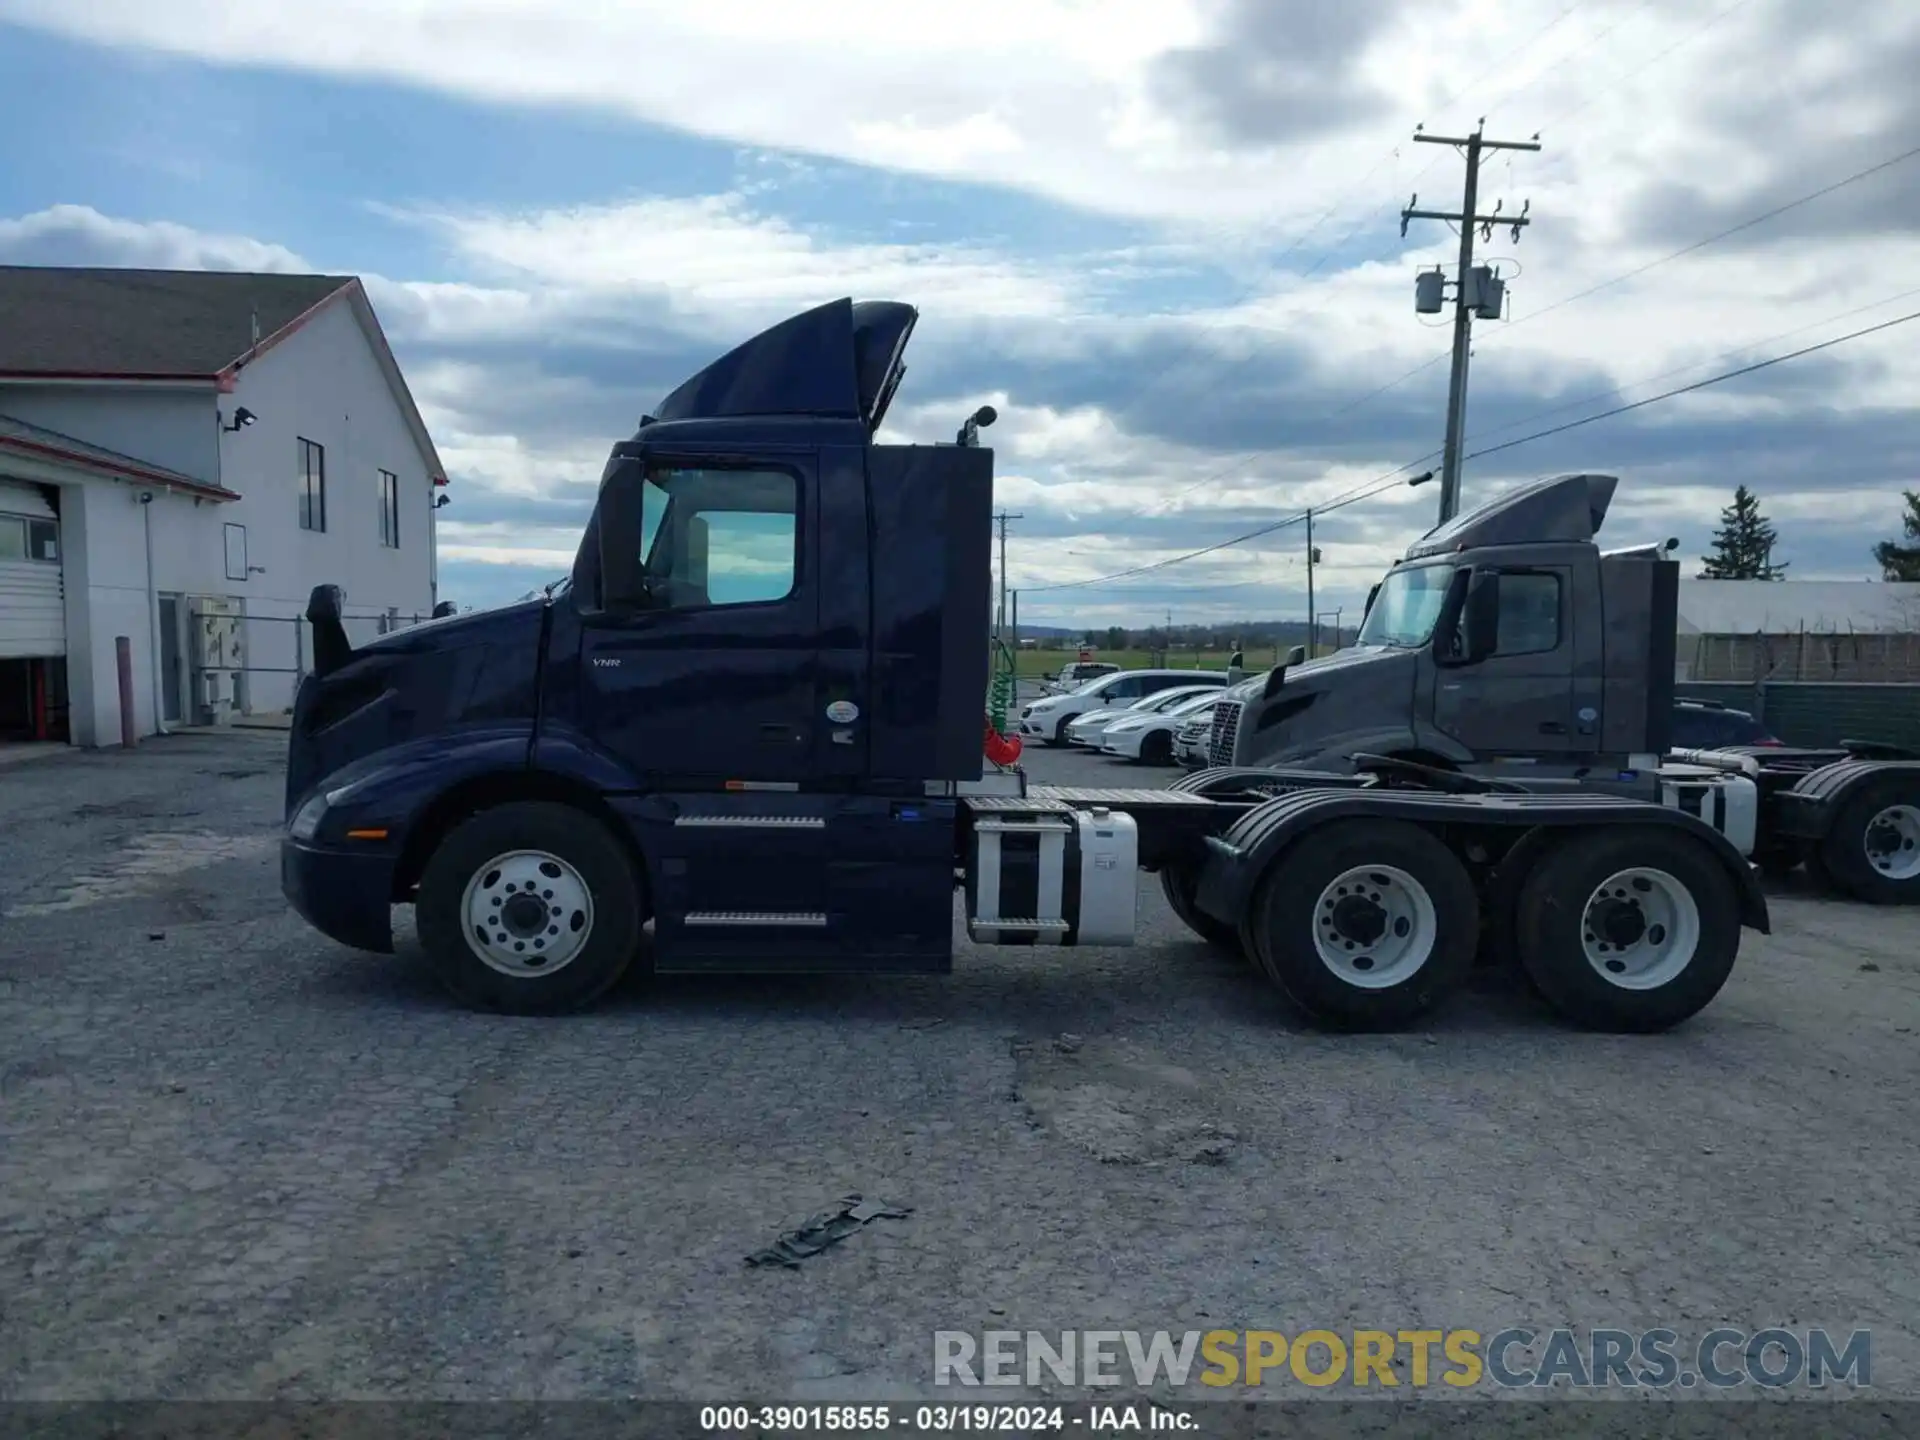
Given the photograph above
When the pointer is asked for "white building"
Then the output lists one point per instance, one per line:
(1865, 631)
(181, 446)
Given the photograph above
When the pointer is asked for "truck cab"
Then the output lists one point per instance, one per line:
(1502, 638)
(765, 657)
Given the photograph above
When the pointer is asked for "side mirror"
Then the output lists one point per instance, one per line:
(617, 522)
(1296, 656)
(1480, 617)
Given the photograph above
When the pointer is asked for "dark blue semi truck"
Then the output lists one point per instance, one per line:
(752, 718)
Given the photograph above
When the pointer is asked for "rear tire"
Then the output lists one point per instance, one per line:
(1628, 929)
(1365, 924)
(1178, 883)
(1872, 853)
(531, 908)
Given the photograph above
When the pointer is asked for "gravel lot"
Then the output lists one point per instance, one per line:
(237, 1160)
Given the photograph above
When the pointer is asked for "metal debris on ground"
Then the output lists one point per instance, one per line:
(829, 1227)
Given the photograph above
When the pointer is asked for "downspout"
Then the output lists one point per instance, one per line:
(153, 615)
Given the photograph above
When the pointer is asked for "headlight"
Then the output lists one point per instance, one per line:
(306, 820)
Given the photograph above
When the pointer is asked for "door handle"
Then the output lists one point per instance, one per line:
(779, 734)
(1552, 727)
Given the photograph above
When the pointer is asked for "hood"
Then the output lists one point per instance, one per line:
(1321, 700)
(451, 632)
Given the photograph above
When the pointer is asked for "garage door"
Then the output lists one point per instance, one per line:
(33, 612)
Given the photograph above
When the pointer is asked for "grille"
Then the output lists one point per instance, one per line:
(1226, 730)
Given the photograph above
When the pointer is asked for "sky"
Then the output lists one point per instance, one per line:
(1161, 237)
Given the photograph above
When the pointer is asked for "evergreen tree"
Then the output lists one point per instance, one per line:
(1743, 545)
(1897, 561)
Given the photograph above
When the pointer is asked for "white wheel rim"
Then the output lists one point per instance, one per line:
(1892, 842)
(527, 913)
(1640, 929)
(1374, 926)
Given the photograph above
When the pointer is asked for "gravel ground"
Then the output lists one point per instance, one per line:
(239, 1161)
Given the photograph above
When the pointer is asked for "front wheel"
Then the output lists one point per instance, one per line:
(1156, 749)
(1630, 930)
(1366, 924)
(530, 908)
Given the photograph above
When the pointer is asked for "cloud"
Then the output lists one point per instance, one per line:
(1167, 385)
(1268, 75)
(81, 235)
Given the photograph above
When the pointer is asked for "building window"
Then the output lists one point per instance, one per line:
(313, 486)
(389, 509)
(236, 538)
(26, 539)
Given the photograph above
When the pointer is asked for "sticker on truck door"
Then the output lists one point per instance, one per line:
(843, 712)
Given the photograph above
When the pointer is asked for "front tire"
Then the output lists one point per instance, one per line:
(1156, 749)
(1872, 853)
(1629, 930)
(530, 908)
(1366, 924)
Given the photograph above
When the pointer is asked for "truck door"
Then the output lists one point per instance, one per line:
(714, 678)
(1518, 700)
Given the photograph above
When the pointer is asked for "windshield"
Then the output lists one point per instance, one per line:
(1196, 704)
(1408, 604)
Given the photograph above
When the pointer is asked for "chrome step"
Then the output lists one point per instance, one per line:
(757, 919)
(750, 822)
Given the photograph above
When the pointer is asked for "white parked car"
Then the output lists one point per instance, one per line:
(1149, 738)
(1073, 676)
(1086, 730)
(1048, 717)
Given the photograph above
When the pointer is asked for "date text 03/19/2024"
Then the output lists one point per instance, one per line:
(943, 1419)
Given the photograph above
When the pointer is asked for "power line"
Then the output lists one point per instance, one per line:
(1613, 390)
(1391, 478)
(1717, 236)
(1698, 385)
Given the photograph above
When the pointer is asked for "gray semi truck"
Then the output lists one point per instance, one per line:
(1506, 643)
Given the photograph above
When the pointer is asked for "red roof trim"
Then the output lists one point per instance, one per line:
(228, 375)
(154, 477)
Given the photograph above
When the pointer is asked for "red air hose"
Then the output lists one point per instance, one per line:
(1001, 749)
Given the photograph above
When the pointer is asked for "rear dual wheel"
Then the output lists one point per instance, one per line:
(1628, 929)
(1872, 853)
(1367, 925)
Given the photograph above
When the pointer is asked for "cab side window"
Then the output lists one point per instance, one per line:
(1529, 621)
(719, 537)
(1529, 613)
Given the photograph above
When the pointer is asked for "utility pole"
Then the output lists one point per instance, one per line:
(1475, 291)
(1313, 616)
(1000, 617)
